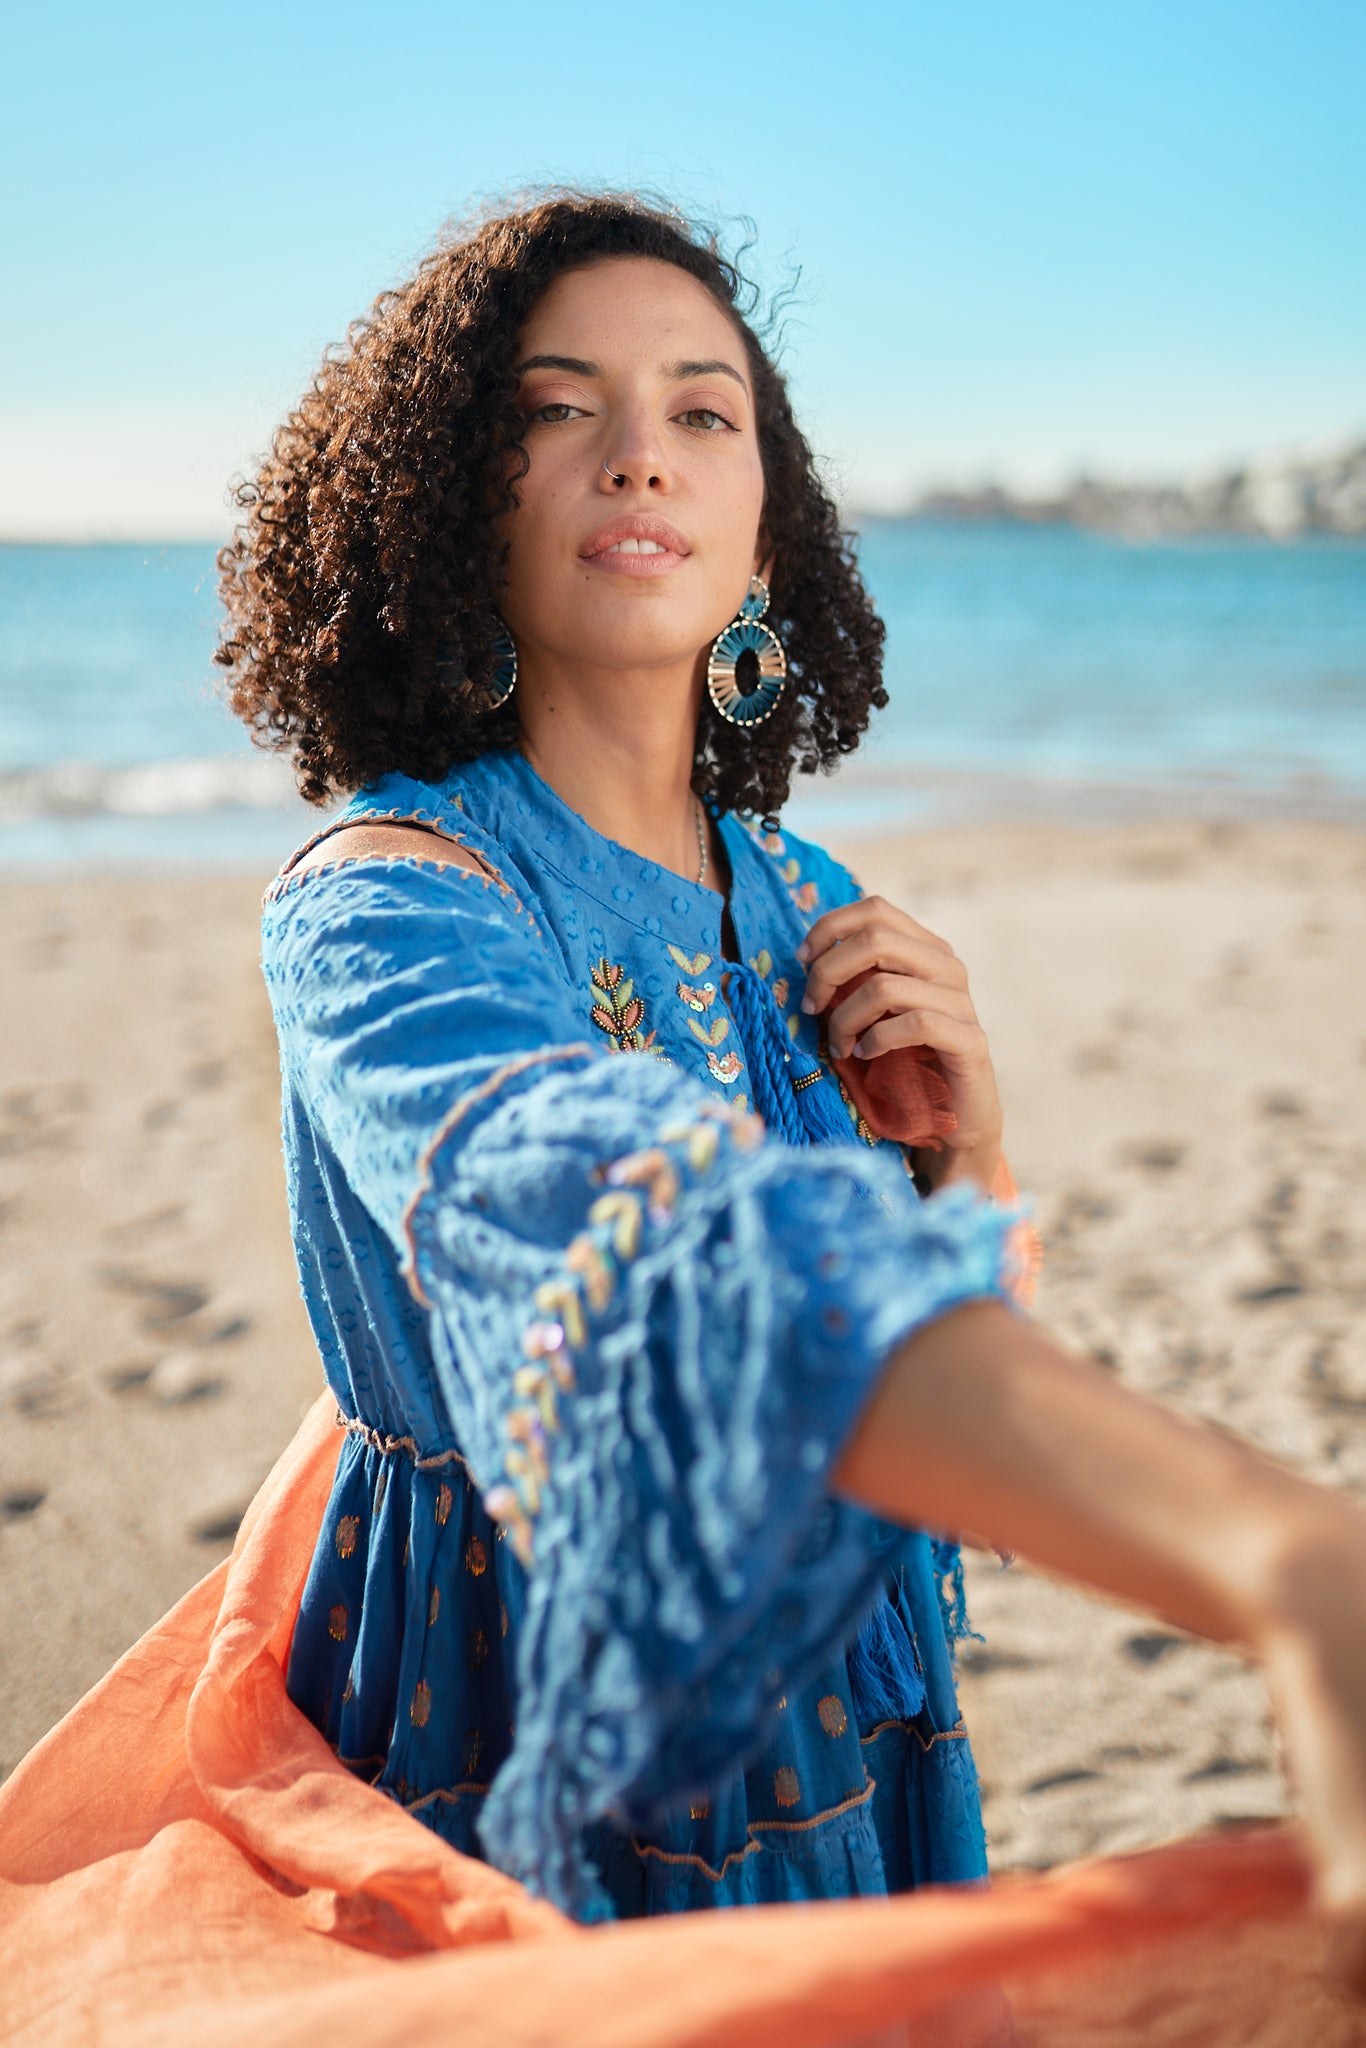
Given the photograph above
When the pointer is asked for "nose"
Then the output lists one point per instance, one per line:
(634, 457)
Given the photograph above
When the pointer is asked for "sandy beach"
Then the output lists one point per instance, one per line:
(1177, 1016)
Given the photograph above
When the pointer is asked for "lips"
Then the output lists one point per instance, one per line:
(636, 536)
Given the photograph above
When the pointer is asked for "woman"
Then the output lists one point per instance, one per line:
(653, 1361)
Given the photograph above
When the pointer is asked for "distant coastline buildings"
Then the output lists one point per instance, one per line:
(1281, 499)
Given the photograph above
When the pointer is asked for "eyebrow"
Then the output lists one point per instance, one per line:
(575, 366)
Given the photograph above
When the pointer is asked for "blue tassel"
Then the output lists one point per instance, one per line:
(803, 1116)
(887, 1682)
(822, 1111)
(953, 1599)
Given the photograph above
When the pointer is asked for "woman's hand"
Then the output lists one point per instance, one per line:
(916, 994)
(980, 1421)
(1313, 1650)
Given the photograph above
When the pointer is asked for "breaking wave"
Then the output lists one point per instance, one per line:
(151, 789)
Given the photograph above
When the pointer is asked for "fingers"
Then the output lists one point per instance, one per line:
(869, 911)
(962, 1045)
(880, 945)
(896, 998)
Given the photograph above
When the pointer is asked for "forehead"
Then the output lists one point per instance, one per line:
(631, 308)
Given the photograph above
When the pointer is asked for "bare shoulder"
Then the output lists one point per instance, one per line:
(397, 839)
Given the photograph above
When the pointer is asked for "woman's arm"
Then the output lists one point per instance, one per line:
(981, 1421)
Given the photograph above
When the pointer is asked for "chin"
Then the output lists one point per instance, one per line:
(632, 636)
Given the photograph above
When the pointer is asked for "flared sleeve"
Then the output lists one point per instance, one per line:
(654, 1328)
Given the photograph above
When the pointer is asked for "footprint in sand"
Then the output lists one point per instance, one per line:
(207, 1075)
(1153, 1155)
(21, 1502)
(39, 1119)
(1221, 1766)
(219, 1526)
(165, 1301)
(175, 1380)
(141, 1226)
(1056, 1782)
(1096, 1059)
(1329, 1387)
(30, 1384)
(982, 1663)
(1147, 1648)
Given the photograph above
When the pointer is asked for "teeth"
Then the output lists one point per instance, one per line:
(636, 547)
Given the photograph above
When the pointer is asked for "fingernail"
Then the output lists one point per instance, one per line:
(803, 951)
(809, 1005)
(861, 1049)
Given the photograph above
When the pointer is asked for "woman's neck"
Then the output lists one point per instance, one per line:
(629, 778)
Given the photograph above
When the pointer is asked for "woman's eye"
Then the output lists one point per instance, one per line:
(555, 412)
(704, 419)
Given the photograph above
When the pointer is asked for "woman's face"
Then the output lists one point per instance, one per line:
(631, 363)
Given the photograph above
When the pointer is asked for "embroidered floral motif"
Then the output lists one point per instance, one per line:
(864, 1129)
(691, 963)
(762, 963)
(786, 1786)
(831, 1715)
(622, 1212)
(639, 1185)
(698, 998)
(715, 1033)
(805, 895)
(618, 1010)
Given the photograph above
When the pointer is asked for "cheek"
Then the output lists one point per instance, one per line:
(753, 500)
(533, 530)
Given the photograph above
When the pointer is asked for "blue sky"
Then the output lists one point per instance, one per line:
(1032, 236)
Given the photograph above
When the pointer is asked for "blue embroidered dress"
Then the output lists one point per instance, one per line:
(582, 1599)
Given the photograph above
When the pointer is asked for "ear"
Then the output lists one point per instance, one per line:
(763, 569)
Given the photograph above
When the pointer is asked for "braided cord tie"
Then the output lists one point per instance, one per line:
(787, 1086)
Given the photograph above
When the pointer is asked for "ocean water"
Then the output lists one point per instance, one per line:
(1028, 669)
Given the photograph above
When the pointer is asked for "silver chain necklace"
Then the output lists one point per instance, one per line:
(701, 840)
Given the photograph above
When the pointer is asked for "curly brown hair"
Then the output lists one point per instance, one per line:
(365, 575)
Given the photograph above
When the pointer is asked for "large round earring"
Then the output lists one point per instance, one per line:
(748, 665)
(501, 683)
(504, 679)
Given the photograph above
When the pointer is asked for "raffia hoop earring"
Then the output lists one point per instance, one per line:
(748, 665)
(455, 676)
(504, 679)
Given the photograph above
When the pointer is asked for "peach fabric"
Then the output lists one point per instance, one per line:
(904, 1095)
(183, 1860)
(901, 1094)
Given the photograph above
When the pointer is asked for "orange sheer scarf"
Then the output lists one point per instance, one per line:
(184, 1860)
